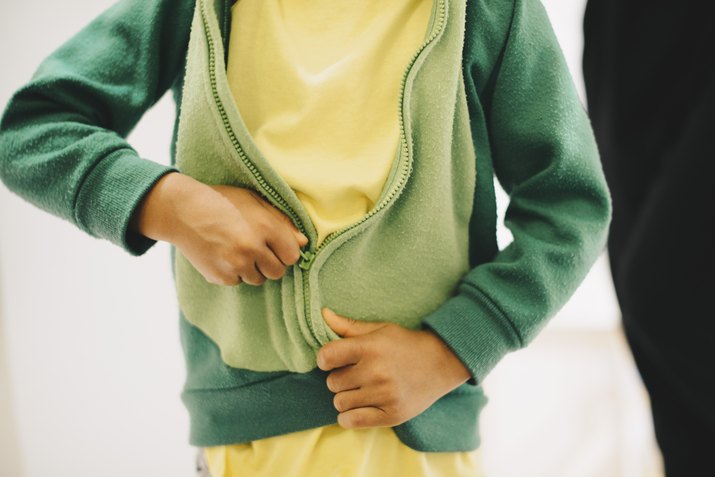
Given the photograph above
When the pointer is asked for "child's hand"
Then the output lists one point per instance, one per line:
(230, 234)
(385, 374)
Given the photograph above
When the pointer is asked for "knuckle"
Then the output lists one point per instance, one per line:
(381, 376)
(254, 249)
(240, 267)
(248, 246)
(236, 255)
(263, 225)
(233, 266)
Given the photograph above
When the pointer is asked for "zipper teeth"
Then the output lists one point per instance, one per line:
(407, 166)
(282, 203)
(254, 170)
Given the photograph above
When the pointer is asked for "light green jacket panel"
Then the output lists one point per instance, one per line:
(398, 263)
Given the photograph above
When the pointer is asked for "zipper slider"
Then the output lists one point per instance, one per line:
(307, 259)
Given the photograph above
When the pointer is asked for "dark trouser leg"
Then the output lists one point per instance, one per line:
(663, 264)
(665, 277)
(658, 149)
(685, 438)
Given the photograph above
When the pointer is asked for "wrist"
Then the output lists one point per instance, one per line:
(156, 216)
(452, 368)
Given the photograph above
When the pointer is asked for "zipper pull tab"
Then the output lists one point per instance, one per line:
(307, 259)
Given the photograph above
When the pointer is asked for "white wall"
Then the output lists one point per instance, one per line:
(90, 363)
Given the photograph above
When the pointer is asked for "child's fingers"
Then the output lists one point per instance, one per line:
(270, 265)
(337, 354)
(284, 248)
(302, 239)
(349, 377)
(253, 276)
(345, 326)
(366, 417)
(353, 399)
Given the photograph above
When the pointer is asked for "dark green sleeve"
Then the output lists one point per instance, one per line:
(62, 135)
(545, 156)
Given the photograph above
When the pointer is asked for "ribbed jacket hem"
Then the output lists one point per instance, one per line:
(290, 402)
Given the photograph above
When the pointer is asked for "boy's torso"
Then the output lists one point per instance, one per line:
(397, 263)
(404, 257)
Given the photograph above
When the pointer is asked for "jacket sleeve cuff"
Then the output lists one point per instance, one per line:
(111, 193)
(475, 330)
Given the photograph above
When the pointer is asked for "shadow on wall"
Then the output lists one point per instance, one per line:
(10, 459)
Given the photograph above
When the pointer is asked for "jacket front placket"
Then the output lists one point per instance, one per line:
(275, 189)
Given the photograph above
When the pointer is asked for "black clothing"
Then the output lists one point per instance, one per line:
(649, 69)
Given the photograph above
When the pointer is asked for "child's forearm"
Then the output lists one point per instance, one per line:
(156, 216)
(63, 144)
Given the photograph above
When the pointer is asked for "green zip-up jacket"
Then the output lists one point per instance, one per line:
(487, 94)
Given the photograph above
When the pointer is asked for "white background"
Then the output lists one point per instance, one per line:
(90, 363)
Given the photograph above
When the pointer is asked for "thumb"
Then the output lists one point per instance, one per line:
(348, 327)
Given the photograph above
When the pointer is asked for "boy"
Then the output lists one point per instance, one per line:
(343, 219)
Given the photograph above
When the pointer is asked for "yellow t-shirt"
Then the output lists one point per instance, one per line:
(317, 83)
(332, 451)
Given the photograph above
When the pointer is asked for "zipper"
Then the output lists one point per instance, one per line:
(406, 164)
(278, 200)
(308, 256)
